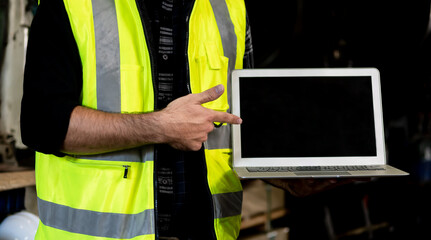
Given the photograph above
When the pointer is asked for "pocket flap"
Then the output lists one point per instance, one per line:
(212, 55)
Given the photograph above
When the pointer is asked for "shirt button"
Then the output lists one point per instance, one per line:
(165, 57)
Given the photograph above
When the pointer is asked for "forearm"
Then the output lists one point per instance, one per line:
(184, 124)
(91, 131)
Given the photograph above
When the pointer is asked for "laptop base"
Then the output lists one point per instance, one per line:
(379, 171)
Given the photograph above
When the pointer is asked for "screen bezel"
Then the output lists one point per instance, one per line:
(380, 157)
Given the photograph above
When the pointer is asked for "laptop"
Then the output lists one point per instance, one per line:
(302, 123)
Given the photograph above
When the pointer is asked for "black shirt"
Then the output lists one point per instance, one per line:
(52, 79)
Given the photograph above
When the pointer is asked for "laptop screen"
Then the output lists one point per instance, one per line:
(309, 116)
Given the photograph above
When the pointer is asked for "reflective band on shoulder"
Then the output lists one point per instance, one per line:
(219, 138)
(100, 224)
(107, 56)
(143, 154)
(227, 204)
(228, 38)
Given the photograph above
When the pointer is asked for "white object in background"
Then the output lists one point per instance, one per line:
(19, 226)
(12, 69)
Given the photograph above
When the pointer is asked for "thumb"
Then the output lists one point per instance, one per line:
(209, 95)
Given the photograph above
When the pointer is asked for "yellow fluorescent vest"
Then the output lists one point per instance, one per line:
(111, 196)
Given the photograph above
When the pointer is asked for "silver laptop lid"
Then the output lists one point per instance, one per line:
(307, 117)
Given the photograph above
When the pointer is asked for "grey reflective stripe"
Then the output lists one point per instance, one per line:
(100, 224)
(219, 138)
(107, 56)
(228, 38)
(147, 153)
(227, 204)
(143, 154)
(133, 155)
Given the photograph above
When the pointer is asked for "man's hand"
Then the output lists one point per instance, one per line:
(184, 124)
(187, 123)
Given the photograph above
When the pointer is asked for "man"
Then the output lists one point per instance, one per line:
(126, 103)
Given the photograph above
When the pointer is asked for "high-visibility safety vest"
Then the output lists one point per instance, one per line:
(111, 196)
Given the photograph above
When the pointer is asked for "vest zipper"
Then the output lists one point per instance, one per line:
(126, 170)
(186, 48)
(115, 166)
(208, 190)
(147, 33)
(213, 230)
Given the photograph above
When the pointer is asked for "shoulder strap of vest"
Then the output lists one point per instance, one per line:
(107, 55)
(228, 36)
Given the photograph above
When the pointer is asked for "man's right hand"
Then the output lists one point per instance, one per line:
(186, 123)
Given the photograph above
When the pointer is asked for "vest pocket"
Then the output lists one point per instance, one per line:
(212, 70)
(81, 191)
(112, 170)
(105, 184)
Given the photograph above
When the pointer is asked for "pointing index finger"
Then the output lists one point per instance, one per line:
(226, 118)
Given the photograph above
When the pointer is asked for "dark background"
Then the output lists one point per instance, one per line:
(391, 36)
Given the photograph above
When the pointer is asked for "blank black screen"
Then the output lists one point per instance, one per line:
(307, 117)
